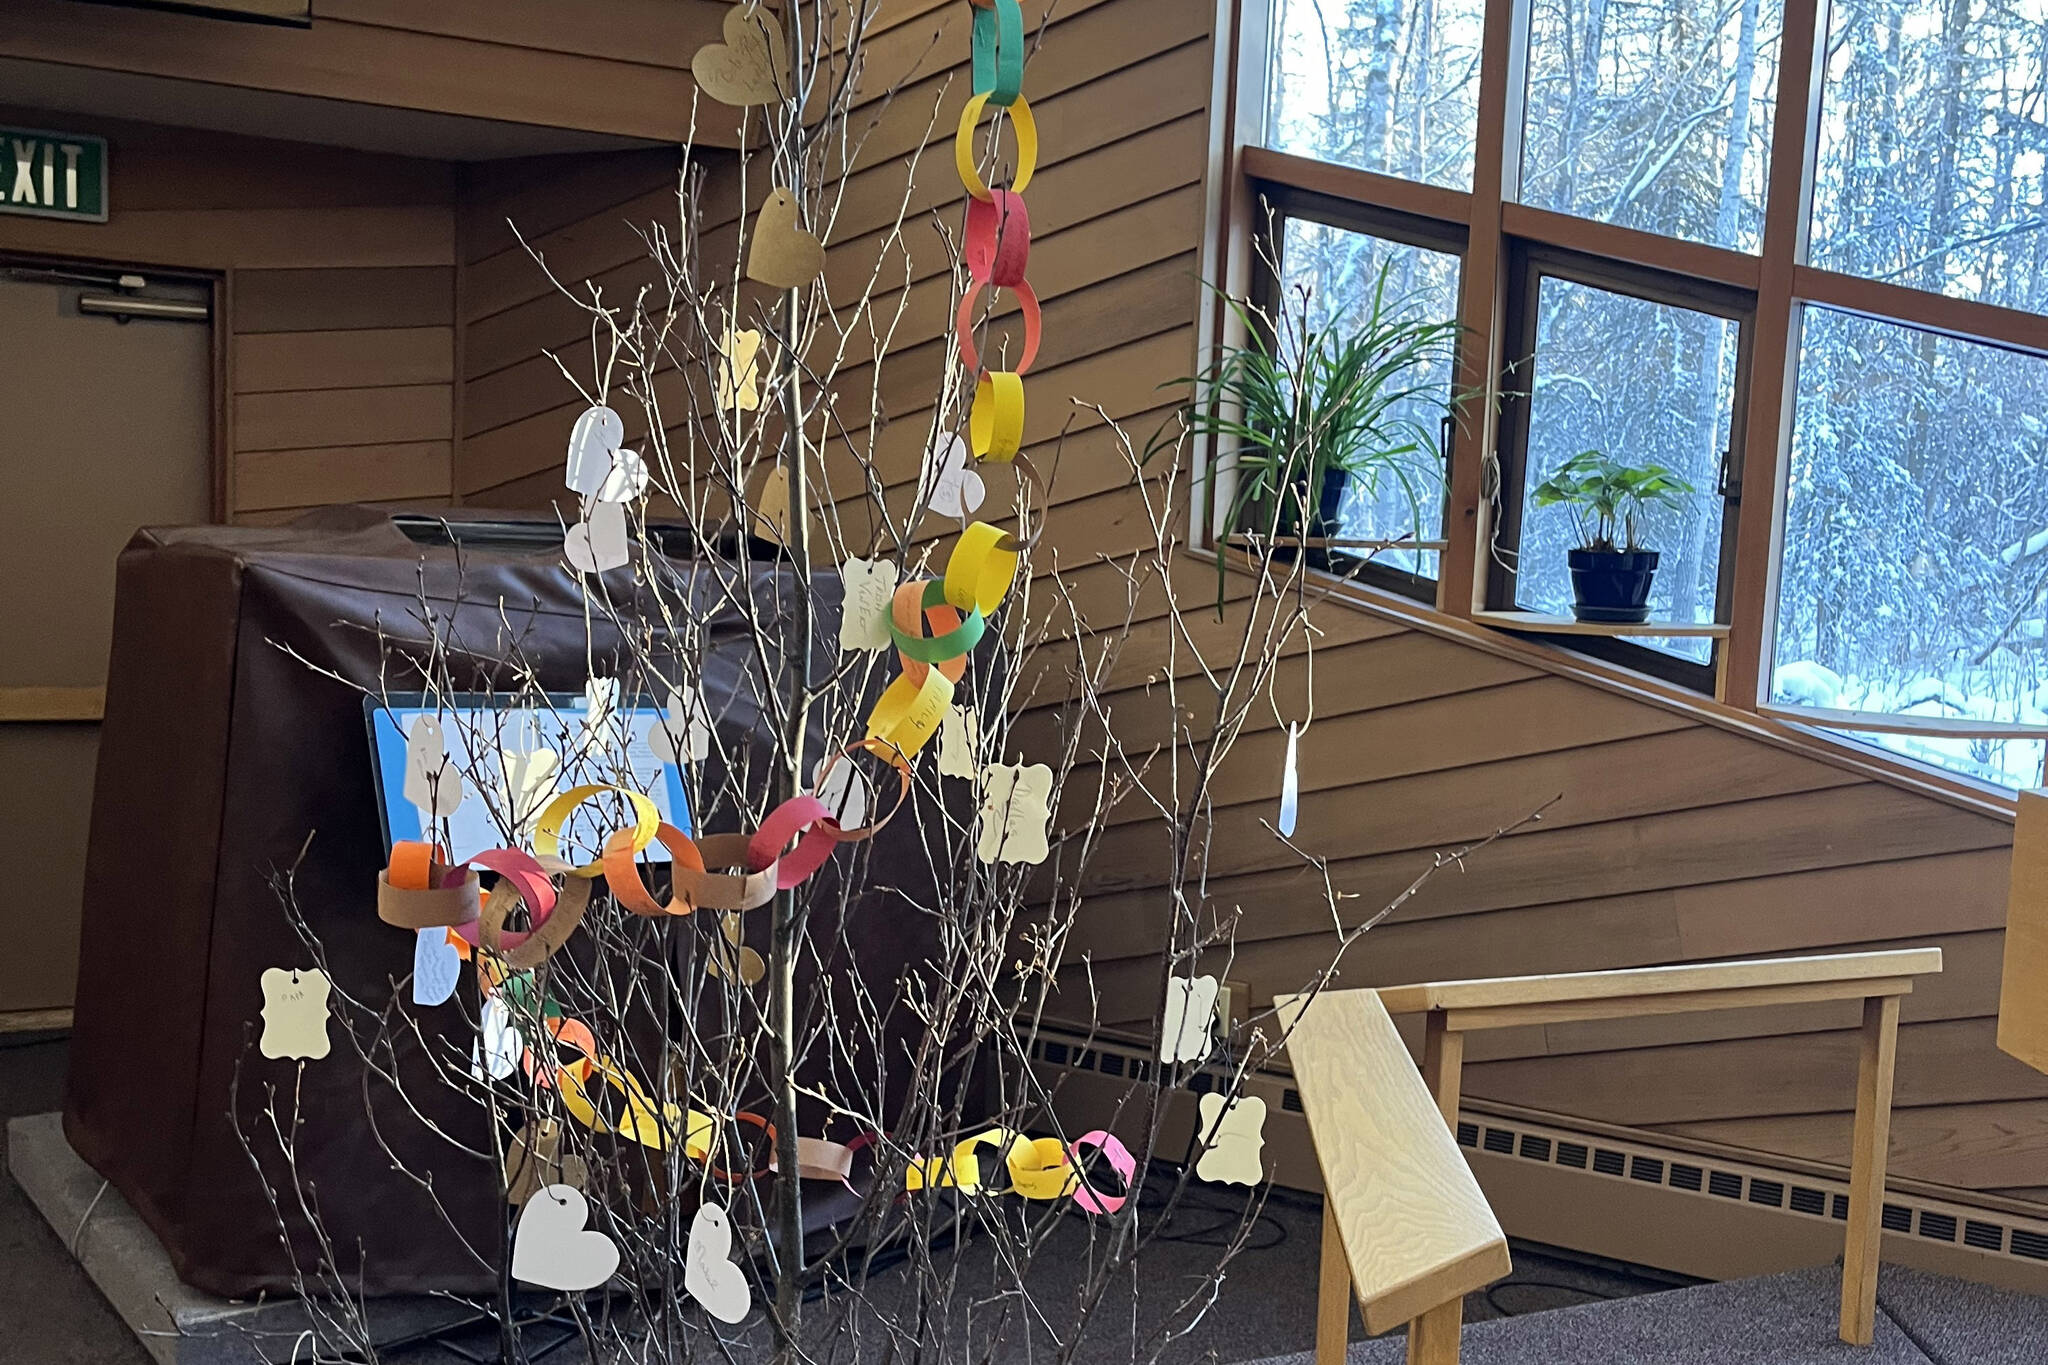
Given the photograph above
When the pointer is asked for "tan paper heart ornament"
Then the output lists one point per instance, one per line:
(783, 254)
(747, 67)
(535, 1158)
(551, 1248)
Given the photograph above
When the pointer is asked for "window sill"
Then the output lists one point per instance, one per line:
(1537, 623)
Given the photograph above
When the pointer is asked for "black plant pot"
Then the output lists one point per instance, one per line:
(1326, 522)
(1323, 518)
(1612, 586)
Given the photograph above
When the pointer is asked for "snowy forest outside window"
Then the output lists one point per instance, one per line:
(1389, 86)
(1653, 116)
(1916, 538)
(1933, 161)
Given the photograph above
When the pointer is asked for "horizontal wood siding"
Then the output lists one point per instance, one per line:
(524, 226)
(617, 67)
(1671, 840)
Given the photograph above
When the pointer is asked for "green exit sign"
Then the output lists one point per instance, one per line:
(53, 175)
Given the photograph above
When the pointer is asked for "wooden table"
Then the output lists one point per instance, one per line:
(1455, 1008)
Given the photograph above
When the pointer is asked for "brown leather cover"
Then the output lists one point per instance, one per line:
(220, 755)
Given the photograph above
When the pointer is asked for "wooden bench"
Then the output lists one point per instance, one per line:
(1455, 1008)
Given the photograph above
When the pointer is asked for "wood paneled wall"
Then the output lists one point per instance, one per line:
(607, 66)
(579, 215)
(337, 308)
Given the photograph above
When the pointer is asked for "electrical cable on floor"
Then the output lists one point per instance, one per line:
(1522, 1282)
(1225, 1217)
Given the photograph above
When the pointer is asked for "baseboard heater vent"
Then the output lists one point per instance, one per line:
(2011, 1236)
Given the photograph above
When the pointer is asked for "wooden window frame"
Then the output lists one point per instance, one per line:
(1529, 263)
(1278, 203)
(1777, 276)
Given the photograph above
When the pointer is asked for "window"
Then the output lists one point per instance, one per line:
(1386, 85)
(1665, 398)
(1654, 116)
(1933, 161)
(1827, 317)
(1915, 574)
(1332, 272)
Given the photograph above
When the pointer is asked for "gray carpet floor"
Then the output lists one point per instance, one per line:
(1787, 1319)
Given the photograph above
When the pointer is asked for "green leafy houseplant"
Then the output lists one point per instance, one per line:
(1306, 406)
(1607, 498)
(1611, 572)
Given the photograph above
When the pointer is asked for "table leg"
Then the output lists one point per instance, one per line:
(1433, 1337)
(1333, 1294)
(1874, 1070)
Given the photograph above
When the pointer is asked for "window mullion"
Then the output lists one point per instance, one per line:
(1764, 442)
(1469, 525)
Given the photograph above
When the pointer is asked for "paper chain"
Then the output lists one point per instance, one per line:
(419, 891)
(935, 623)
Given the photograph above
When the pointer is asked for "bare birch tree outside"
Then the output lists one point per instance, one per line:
(717, 1120)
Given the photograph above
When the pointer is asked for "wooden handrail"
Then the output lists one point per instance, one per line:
(1879, 980)
(1688, 978)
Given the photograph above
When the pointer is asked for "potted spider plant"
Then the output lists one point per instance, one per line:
(1310, 405)
(1612, 573)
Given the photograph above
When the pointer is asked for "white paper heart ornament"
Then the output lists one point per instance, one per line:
(551, 1247)
(294, 1013)
(627, 479)
(864, 611)
(708, 1272)
(1232, 1156)
(592, 441)
(499, 1044)
(431, 781)
(598, 542)
(956, 490)
(435, 967)
(1190, 1023)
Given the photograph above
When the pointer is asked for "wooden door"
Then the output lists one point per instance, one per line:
(107, 427)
